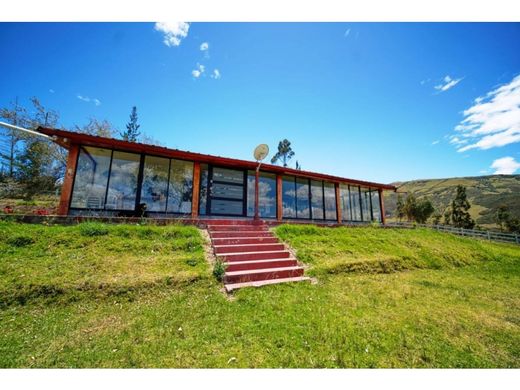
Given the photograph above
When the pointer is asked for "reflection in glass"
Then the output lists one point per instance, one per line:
(355, 201)
(122, 185)
(317, 199)
(266, 195)
(154, 189)
(203, 194)
(365, 204)
(302, 198)
(181, 187)
(288, 197)
(228, 175)
(344, 194)
(376, 207)
(90, 183)
(330, 201)
(226, 207)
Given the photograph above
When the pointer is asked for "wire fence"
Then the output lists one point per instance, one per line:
(473, 233)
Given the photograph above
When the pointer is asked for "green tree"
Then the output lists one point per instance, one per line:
(101, 128)
(459, 210)
(35, 168)
(423, 210)
(15, 115)
(410, 204)
(447, 216)
(400, 210)
(285, 153)
(513, 225)
(502, 216)
(132, 128)
(436, 218)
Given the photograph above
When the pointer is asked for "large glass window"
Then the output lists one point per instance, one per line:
(90, 183)
(376, 207)
(181, 187)
(330, 200)
(365, 204)
(203, 194)
(289, 197)
(266, 194)
(344, 194)
(154, 190)
(122, 185)
(302, 198)
(317, 199)
(356, 203)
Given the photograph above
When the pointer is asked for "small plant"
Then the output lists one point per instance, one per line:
(191, 262)
(219, 270)
(20, 241)
(92, 229)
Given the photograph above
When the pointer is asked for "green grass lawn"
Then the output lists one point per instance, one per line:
(143, 296)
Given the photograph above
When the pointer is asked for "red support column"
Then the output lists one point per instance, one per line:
(382, 206)
(279, 204)
(196, 191)
(70, 172)
(338, 202)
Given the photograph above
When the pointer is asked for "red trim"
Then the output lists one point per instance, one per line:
(65, 138)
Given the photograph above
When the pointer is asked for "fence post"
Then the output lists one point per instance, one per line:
(488, 235)
(517, 238)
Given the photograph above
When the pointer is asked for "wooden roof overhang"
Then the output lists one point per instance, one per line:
(66, 138)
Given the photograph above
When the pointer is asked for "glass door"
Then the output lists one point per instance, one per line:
(226, 195)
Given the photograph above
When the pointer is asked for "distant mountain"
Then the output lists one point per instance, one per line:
(485, 193)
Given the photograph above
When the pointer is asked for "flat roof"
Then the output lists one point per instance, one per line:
(66, 138)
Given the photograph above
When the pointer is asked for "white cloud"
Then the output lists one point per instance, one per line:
(505, 166)
(447, 83)
(174, 32)
(347, 33)
(492, 121)
(435, 142)
(204, 46)
(51, 90)
(86, 99)
(215, 74)
(199, 71)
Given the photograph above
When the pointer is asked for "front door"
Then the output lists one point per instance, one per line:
(227, 191)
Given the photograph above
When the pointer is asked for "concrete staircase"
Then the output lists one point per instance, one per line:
(252, 254)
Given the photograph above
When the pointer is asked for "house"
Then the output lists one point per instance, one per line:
(110, 177)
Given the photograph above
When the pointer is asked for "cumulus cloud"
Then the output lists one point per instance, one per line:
(447, 83)
(505, 166)
(204, 46)
(492, 121)
(198, 71)
(86, 99)
(174, 32)
(216, 74)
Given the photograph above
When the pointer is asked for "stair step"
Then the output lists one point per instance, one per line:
(244, 240)
(245, 256)
(240, 248)
(244, 233)
(233, 286)
(261, 264)
(234, 228)
(262, 274)
(232, 222)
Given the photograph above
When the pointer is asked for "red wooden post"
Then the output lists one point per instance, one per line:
(196, 191)
(338, 202)
(382, 206)
(70, 172)
(279, 204)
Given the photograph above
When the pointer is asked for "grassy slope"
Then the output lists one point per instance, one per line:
(171, 313)
(486, 194)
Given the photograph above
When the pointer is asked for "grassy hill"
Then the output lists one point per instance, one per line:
(96, 295)
(485, 193)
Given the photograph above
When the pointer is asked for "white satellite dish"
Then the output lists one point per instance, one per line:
(261, 152)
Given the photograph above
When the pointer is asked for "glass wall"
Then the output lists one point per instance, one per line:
(180, 187)
(355, 201)
(154, 190)
(90, 183)
(203, 193)
(365, 204)
(317, 199)
(122, 184)
(288, 197)
(376, 206)
(330, 201)
(302, 198)
(266, 194)
(344, 195)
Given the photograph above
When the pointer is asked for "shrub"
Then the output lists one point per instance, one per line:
(92, 229)
(219, 270)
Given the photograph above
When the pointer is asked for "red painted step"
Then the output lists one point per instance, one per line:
(246, 240)
(245, 222)
(260, 264)
(237, 228)
(240, 234)
(254, 256)
(262, 274)
(225, 249)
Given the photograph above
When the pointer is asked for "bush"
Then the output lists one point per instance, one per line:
(219, 270)
(92, 229)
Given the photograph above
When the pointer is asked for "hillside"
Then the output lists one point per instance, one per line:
(485, 193)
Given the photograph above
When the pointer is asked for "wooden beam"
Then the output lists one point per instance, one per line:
(382, 206)
(279, 203)
(196, 191)
(68, 181)
(338, 202)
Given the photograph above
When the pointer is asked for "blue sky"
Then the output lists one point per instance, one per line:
(373, 101)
